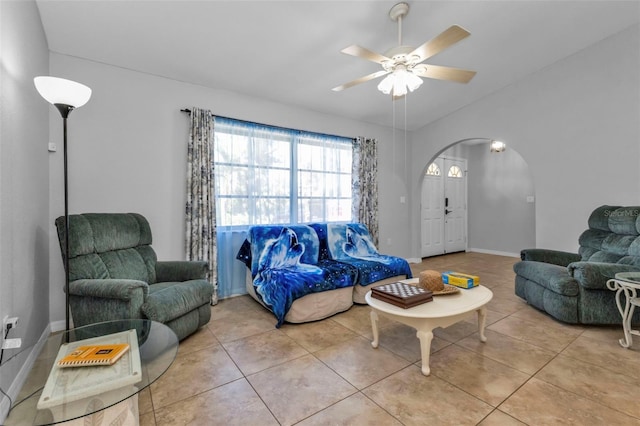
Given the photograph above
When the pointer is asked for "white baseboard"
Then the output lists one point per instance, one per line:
(58, 326)
(21, 377)
(414, 260)
(494, 252)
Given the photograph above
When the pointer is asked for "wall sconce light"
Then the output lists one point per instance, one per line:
(497, 146)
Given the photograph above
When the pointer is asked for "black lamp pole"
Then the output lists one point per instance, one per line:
(65, 110)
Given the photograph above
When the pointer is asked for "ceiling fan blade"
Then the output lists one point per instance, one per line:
(444, 73)
(450, 36)
(360, 80)
(361, 52)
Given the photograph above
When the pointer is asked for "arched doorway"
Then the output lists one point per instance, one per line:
(493, 199)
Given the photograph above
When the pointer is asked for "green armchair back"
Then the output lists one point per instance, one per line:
(572, 286)
(114, 274)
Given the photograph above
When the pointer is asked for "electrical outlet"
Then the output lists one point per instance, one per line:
(9, 323)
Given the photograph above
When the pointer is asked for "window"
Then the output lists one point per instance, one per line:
(270, 175)
(433, 170)
(455, 172)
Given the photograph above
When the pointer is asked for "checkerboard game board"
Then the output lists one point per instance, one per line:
(402, 294)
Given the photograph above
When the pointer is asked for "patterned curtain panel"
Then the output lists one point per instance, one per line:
(365, 184)
(201, 209)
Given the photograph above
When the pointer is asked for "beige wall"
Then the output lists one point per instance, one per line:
(24, 183)
(575, 123)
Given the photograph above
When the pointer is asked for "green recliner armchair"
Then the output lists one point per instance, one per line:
(114, 274)
(572, 286)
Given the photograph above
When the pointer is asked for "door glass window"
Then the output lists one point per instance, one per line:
(455, 172)
(433, 170)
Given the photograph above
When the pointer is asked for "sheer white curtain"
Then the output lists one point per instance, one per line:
(253, 170)
(324, 178)
(253, 185)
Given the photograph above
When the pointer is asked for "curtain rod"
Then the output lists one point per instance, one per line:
(188, 111)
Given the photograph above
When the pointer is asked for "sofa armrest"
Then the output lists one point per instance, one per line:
(594, 275)
(109, 288)
(98, 300)
(179, 271)
(555, 257)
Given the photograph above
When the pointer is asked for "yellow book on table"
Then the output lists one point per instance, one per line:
(94, 355)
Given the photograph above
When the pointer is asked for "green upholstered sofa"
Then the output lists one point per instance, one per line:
(114, 274)
(572, 286)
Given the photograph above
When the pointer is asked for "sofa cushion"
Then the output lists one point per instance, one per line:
(89, 266)
(351, 243)
(169, 300)
(592, 239)
(551, 277)
(623, 220)
(109, 245)
(599, 218)
(125, 264)
(618, 244)
(282, 243)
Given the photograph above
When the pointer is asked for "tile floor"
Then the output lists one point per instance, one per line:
(533, 370)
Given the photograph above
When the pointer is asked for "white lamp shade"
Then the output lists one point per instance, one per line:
(413, 81)
(61, 91)
(386, 85)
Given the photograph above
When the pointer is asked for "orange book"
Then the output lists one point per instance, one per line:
(94, 355)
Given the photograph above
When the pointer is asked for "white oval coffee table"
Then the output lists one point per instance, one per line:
(443, 311)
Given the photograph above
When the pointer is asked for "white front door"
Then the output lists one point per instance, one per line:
(432, 210)
(443, 209)
(455, 196)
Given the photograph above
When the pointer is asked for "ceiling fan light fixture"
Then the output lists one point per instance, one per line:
(399, 82)
(386, 85)
(413, 81)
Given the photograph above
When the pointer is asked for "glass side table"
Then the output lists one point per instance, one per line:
(626, 285)
(157, 348)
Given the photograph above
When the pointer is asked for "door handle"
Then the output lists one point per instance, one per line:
(446, 211)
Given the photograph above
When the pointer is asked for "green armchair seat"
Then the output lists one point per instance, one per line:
(114, 274)
(572, 286)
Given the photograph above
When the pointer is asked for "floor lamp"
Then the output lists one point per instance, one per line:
(65, 95)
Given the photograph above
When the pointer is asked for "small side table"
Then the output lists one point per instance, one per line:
(157, 348)
(626, 284)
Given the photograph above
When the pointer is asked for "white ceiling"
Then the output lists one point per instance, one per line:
(289, 51)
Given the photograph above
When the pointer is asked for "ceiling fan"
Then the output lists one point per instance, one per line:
(403, 64)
